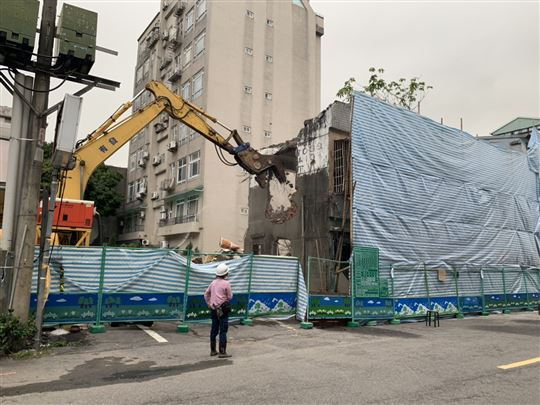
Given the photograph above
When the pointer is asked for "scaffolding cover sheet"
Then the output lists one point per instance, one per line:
(424, 192)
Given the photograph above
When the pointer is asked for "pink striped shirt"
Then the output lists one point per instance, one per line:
(218, 292)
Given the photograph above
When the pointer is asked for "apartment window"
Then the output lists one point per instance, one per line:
(180, 210)
(132, 162)
(248, 89)
(194, 164)
(201, 8)
(267, 134)
(189, 20)
(182, 170)
(340, 154)
(176, 133)
(140, 185)
(250, 14)
(186, 87)
(183, 135)
(192, 134)
(270, 23)
(269, 59)
(131, 193)
(187, 56)
(198, 83)
(246, 129)
(192, 208)
(248, 51)
(268, 96)
(199, 44)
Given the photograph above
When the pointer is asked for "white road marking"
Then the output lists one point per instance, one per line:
(153, 334)
(8, 373)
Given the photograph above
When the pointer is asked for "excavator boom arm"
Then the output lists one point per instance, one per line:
(111, 136)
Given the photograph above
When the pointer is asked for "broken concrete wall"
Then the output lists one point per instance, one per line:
(312, 220)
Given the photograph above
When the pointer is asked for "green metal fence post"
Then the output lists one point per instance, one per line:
(506, 310)
(395, 320)
(246, 320)
(427, 286)
(352, 323)
(183, 327)
(524, 274)
(459, 314)
(484, 312)
(307, 324)
(98, 327)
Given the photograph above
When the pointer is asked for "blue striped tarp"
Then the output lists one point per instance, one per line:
(427, 193)
(163, 270)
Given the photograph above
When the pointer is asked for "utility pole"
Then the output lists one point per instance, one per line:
(33, 162)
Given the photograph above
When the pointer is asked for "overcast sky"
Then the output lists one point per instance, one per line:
(481, 57)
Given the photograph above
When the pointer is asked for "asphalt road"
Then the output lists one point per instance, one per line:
(278, 363)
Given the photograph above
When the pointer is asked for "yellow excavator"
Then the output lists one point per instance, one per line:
(73, 216)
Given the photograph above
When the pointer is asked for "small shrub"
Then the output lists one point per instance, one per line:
(14, 334)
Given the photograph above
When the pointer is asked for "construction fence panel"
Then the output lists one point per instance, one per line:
(469, 287)
(516, 288)
(493, 278)
(532, 277)
(329, 289)
(374, 300)
(410, 291)
(442, 291)
(106, 284)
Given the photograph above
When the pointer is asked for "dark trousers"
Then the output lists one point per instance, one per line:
(219, 326)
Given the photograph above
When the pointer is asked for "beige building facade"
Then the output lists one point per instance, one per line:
(253, 65)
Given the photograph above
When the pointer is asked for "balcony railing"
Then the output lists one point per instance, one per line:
(179, 220)
(132, 228)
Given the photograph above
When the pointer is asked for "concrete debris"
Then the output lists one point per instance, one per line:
(281, 206)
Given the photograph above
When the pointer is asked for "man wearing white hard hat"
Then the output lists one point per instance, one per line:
(218, 297)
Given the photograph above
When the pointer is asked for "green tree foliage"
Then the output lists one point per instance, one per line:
(14, 334)
(404, 93)
(101, 189)
(101, 186)
(47, 166)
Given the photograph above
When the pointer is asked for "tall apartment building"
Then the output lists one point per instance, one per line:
(253, 65)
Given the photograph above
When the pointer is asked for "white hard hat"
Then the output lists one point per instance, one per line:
(222, 269)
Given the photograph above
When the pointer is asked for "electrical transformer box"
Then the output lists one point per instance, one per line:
(76, 39)
(18, 25)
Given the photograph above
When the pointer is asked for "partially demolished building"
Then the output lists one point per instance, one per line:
(309, 215)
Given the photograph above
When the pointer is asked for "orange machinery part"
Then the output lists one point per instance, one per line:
(72, 214)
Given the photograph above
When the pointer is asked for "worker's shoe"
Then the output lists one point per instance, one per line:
(213, 351)
(223, 351)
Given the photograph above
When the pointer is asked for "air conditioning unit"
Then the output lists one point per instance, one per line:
(156, 160)
(176, 74)
(141, 162)
(164, 244)
(155, 195)
(163, 215)
(140, 196)
(142, 214)
(145, 155)
(173, 145)
(160, 126)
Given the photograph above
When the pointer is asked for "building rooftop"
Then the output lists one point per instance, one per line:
(517, 125)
